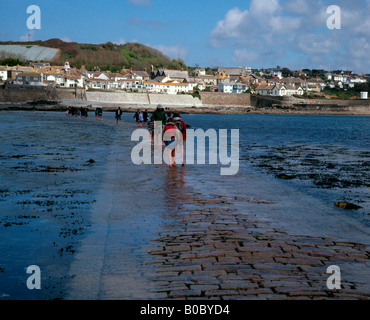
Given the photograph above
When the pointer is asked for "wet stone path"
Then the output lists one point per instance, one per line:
(211, 251)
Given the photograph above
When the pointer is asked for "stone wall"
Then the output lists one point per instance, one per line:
(25, 94)
(117, 97)
(76, 93)
(225, 99)
(269, 101)
(174, 100)
(141, 99)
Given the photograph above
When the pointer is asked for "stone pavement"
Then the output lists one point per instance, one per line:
(211, 251)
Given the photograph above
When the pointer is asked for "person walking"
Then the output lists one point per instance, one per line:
(119, 115)
(145, 116)
(141, 118)
(181, 126)
(170, 141)
(99, 113)
(136, 117)
(159, 116)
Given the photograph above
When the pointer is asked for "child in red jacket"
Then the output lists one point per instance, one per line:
(180, 125)
(169, 140)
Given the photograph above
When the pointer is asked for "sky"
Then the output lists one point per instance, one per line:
(209, 33)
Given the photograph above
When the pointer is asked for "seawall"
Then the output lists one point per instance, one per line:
(25, 94)
(125, 99)
(18, 97)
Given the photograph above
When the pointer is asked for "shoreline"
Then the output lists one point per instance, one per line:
(206, 109)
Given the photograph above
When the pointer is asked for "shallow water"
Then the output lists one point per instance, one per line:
(328, 157)
(67, 182)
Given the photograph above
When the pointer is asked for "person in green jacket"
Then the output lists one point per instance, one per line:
(158, 116)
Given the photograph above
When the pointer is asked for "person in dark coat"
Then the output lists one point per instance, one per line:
(119, 115)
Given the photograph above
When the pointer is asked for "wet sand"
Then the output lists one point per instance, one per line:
(99, 227)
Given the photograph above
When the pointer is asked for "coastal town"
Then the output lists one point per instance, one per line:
(234, 80)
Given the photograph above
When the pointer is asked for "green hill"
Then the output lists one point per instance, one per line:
(107, 56)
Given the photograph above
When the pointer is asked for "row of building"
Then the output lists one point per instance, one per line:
(227, 80)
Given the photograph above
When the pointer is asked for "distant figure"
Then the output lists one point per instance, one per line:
(99, 113)
(145, 116)
(181, 126)
(118, 115)
(136, 117)
(67, 112)
(141, 118)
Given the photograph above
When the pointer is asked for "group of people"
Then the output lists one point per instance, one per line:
(77, 112)
(171, 126)
(141, 118)
(171, 131)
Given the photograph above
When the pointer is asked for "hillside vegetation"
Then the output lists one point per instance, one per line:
(108, 56)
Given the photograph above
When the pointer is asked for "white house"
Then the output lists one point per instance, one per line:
(279, 91)
(169, 87)
(3, 73)
(286, 90)
(70, 81)
(181, 76)
(239, 87)
(357, 80)
(128, 84)
(96, 83)
(329, 76)
(264, 90)
(200, 72)
(226, 87)
(338, 77)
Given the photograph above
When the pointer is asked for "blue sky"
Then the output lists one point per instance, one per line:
(255, 33)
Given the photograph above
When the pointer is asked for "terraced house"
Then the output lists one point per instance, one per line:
(32, 78)
(166, 87)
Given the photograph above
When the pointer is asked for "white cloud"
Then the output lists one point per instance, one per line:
(28, 36)
(66, 39)
(320, 44)
(245, 57)
(265, 29)
(264, 8)
(235, 25)
(173, 52)
(120, 41)
(298, 6)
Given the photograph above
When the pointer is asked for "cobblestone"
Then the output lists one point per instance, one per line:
(235, 257)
